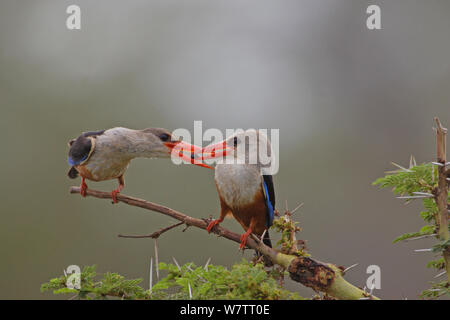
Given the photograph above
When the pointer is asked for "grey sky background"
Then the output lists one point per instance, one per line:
(347, 101)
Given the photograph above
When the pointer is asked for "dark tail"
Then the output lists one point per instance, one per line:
(73, 173)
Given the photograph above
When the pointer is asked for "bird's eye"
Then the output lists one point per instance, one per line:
(235, 141)
(164, 137)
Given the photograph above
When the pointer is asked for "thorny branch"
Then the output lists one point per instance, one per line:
(154, 235)
(441, 192)
(324, 277)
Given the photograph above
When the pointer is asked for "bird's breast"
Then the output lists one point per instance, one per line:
(84, 172)
(102, 167)
(238, 185)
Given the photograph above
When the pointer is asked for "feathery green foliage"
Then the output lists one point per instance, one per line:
(110, 285)
(243, 281)
(420, 180)
(437, 290)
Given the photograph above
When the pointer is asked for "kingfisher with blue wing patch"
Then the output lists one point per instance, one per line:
(106, 154)
(244, 191)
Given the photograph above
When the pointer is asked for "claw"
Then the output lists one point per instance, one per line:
(244, 238)
(114, 193)
(212, 224)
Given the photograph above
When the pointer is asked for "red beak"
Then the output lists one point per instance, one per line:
(217, 150)
(186, 152)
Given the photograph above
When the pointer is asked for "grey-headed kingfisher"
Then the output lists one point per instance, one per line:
(106, 154)
(244, 191)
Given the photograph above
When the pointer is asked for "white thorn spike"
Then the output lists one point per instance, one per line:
(412, 162)
(440, 274)
(421, 237)
(176, 263)
(262, 237)
(351, 267)
(297, 207)
(189, 267)
(151, 275)
(400, 167)
(423, 194)
(190, 291)
(207, 263)
(156, 259)
(415, 197)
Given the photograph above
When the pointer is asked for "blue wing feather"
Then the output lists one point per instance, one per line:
(270, 199)
(73, 162)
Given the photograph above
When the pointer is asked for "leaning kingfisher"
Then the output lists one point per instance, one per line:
(106, 154)
(244, 191)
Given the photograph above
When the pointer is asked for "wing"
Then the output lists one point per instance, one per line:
(269, 195)
(81, 147)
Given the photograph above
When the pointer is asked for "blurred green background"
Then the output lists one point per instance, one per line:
(347, 101)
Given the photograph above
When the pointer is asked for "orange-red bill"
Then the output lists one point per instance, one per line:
(183, 146)
(217, 150)
(190, 159)
(186, 152)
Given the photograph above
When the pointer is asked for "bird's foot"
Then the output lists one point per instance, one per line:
(83, 188)
(212, 224)
(244, 238)
(114, 194)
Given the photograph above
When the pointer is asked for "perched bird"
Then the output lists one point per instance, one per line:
(244, 191)
(106, 154)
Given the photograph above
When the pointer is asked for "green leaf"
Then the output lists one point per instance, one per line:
(426, 230)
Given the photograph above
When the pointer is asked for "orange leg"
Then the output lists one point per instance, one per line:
(213, 223)
(114, 193)
(249, 231)
(223, 212)
(244, 238)
(83, 187)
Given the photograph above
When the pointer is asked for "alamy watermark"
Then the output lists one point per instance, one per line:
(374, 280)
(73, 20)
(373, 22)
(73, 274)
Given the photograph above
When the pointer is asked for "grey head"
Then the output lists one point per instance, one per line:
(249, 147)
